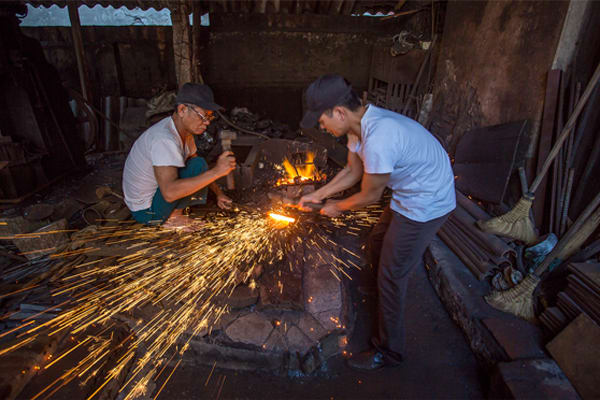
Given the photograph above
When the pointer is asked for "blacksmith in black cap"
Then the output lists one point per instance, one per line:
(163, 173)
(385, 149)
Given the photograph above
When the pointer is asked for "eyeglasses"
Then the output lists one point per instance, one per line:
(207, 118)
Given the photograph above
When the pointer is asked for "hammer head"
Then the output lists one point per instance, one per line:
(227, 135)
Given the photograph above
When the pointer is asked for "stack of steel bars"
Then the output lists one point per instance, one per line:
(481, 252)
(581, 295)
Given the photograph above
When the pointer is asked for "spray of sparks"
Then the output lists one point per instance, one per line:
(178, 276)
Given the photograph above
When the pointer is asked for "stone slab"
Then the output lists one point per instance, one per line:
(38, 212)
(298, 341)
(275, 342)
(530, 379)
(253, 329)
(311, 327)
(19, 367)
(16, 225)
(233, 358)
(42, 245)
(322, 291)
(241, 297)
(519, 339)
(577, 351)
(330, 320)
(281, 286)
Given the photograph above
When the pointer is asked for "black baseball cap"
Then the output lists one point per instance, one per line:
(197, 94)
(323, 94)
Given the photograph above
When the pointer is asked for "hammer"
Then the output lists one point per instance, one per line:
(226, 138)
(102, 191)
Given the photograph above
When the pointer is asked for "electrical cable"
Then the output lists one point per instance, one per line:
(262, 135)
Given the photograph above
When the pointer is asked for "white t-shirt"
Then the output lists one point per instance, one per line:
(421, 176)
(159, 145)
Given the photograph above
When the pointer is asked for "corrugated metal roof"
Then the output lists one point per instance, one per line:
(130, 4)
(333, 7)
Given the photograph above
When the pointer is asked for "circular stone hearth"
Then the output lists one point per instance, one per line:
(297, 316)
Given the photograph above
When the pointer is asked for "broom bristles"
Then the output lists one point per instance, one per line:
(517, 300)
(515, 224)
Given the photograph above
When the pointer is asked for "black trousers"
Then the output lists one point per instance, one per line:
(396, 246)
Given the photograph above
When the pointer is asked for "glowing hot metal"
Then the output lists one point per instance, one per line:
(282, 218)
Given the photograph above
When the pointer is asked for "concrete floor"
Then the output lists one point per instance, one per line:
(438, 363)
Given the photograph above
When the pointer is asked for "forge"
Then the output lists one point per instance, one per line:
(290, 315)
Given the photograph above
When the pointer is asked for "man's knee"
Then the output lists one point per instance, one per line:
(193, 167)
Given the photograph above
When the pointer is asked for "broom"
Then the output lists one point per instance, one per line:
(516, 223)
(519, 299)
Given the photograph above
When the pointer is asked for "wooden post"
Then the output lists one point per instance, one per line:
(181, 42)
(197, 19)
(79, 52)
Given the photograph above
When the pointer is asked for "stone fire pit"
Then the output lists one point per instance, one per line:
(292, 316)
(297, 316)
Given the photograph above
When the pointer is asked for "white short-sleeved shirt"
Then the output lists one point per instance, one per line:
(421, 176)
(159, 145)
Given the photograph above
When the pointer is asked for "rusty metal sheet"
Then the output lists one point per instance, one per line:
(486, 159)
(577, 351)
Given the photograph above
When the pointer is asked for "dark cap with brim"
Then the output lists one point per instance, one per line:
(197, 94)
(324, 94)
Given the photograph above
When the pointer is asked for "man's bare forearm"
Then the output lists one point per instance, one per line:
(358, 200)
(182, 187)
(344, 179)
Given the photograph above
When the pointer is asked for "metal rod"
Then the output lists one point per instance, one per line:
(523, 180)
(590, 111)
(567, 129)
(587, 172)
(571, 233)
(558, 162)
(565, 210)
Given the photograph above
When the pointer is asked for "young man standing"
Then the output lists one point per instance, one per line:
(163, 174)
(386, 149)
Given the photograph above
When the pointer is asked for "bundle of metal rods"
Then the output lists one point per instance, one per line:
(481, 252)
(564, 178)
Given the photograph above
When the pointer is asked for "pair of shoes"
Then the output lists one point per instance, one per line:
(367, 360)
(368, 290)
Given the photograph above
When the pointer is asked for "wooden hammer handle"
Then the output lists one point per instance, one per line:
(226, 145)
(230, 181)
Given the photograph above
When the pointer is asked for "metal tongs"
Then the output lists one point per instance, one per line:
(292, 202)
